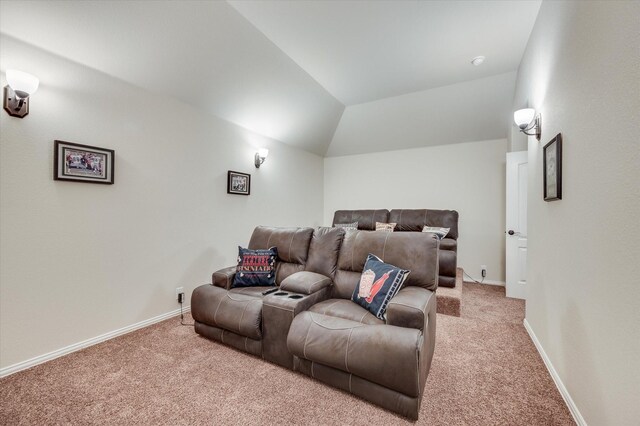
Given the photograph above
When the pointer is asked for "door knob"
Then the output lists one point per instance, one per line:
(511, 232)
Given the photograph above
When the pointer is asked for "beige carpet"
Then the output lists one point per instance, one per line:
(485, 371)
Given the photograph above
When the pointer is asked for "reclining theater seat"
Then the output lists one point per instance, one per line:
(341, 343)
(234, 315)
(415, 220)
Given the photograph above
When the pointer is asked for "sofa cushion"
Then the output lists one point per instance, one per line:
(378, 284)
(366, 218)
(324, 250)
(383, 354)
(305, 282)
(292, 243)
(415, 251)
(228, 310)
(256, 267)
(341, 308)
(415, 220)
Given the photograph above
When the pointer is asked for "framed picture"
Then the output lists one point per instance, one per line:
(238, 183)
(552, 159)
(83, 163)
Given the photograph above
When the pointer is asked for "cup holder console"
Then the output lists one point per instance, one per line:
(280, 293)
(296, 296)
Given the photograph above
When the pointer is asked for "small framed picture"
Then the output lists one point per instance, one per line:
(238, 183)
(83, 163)
(552, 159)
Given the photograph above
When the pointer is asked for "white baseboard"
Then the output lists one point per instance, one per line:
(577, 417)
(6, 371)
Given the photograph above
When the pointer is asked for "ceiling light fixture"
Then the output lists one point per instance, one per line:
(478, 60)
(16, 93)
(526, 119)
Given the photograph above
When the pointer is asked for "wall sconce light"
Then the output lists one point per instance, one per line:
(16, 93)
(526, 119)
(261, 155)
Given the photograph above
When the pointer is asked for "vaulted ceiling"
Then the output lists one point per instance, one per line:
(284, 69)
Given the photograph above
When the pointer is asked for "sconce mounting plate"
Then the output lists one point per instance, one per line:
(13, 105)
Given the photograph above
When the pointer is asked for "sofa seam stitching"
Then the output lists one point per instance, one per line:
(240, 300)
(216, 312)
(291, 244)
(306, 336)
(327, 307)
(418, 367)
(353, 250)
(242, 316)
(346, 353)
(384, 247)
(344, 328)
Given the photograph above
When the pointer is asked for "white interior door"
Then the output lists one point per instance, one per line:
(516, 232)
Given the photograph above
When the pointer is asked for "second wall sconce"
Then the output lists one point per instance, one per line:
(261, 155)
(16, 93)
(526, 119)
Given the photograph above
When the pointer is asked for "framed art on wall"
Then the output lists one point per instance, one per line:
(238, 183)
(552, 160)
(83, 163)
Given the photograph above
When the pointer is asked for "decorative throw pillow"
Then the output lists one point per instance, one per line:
(440, 232)
(255, 268)
(353, 225)
(385, 227)
(378, 284)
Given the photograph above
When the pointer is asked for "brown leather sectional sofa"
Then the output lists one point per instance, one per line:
(310, 324)
(414, 221)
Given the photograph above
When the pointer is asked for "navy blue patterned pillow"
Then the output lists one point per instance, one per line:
(255, 268)
(378, 284)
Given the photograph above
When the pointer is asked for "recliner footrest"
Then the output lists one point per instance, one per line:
(383, 354)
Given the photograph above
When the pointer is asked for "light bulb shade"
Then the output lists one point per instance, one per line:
(263, 152)
(24, 84)
(523, 117)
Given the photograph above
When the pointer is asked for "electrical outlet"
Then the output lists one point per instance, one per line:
(483, 269)
(178, 291)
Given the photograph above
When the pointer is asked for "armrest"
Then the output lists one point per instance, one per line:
(410, 307)
(305, 282)
(224, 277)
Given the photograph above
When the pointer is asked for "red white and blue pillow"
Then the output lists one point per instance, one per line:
(378, 284)
(256, 268)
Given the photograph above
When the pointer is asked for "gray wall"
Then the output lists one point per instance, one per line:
(581, 71)
(79, 260)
